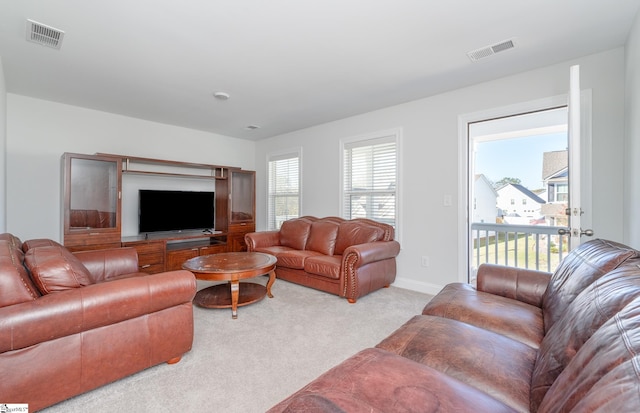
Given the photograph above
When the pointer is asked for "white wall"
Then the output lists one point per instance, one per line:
(39, 132)
(430, 169)
(632, 135)
(3, 143)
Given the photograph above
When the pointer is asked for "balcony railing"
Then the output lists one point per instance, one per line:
(536, 247)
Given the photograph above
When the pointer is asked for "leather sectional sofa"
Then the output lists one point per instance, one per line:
(349, 258)
(71, 322)
(522, 341)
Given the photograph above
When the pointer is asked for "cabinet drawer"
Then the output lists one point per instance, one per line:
(151, 268)
(213, 249)
(150, 255)
(243, 227)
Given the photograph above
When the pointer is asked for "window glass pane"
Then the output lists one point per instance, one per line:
(284, 189)
(370, 179)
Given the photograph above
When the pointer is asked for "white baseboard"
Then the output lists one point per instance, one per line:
(419, 286)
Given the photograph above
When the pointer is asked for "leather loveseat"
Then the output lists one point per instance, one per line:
(522, 341)
(349, 258)
(71, 322)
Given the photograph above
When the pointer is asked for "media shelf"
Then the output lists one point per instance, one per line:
(168, 251)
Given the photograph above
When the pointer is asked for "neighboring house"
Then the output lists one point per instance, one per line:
(519, 205)
(484, 201)
(555, 175)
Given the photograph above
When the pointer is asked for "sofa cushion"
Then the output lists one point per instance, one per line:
(15, 284)
(603, 376)
(512, 318)
(273, 250)
(325, 265)
(322, 237)
(585, 264)
(294, 233)
(355, 233)
(56, 269)
(39, 242)
(493, 363)
(91, 218)
(375, 380)
(587, 313)
(13, 241)
(294, 259)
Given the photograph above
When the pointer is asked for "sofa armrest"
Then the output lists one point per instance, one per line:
(261, 239)
(362, 254)
(108, 263)
(519, 284)
(82, 309)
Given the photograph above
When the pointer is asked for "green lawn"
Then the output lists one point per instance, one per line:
(526, 253)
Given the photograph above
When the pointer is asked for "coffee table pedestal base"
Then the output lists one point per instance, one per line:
(222, 295)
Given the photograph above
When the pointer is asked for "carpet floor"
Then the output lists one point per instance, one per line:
(249, 364)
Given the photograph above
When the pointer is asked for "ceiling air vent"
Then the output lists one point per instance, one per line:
(487, 51)
(44, 35)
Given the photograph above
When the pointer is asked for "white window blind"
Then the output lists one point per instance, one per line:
(370, 171)
(284, 189)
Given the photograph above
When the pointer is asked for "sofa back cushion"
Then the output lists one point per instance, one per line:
(15, 285)
(585, 264)
(597, 303)
(322, 237)
(354, 233)
(84, 218)
(294, 233)
(603, 376)
(54, 268)
(39, 242)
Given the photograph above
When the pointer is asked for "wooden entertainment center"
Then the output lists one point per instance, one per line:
(92, 208)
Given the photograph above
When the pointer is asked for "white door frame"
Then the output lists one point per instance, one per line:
(464, 179)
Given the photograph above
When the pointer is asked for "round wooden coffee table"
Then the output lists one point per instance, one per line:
(232, 267)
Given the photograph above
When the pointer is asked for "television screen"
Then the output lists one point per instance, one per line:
(162, 210)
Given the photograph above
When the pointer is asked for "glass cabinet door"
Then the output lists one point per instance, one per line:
(91, 200)
(243, 188)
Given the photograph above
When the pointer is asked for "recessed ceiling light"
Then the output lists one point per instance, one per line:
(221, 95)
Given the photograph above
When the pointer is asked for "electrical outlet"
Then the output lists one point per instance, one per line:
(425, 261)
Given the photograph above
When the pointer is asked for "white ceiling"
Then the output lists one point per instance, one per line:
(287, 64)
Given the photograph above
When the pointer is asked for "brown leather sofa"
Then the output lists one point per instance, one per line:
(522, 341)
(349, 258)
(71, 322)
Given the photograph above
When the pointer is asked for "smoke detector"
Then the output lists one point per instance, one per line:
(221, 95)
(44, 35)
(487, 51)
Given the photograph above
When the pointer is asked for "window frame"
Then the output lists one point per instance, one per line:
(394, 135)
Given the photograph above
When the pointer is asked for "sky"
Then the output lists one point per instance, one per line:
(517, 158)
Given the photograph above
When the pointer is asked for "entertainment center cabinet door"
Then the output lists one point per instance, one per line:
(242, 208)
(175, 258)
(150, 255)
(177, 254)
(235, 239)
(92, 188)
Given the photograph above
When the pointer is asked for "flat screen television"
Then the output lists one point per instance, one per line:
(163, 210)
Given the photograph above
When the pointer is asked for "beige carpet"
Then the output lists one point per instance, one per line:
(247, 365)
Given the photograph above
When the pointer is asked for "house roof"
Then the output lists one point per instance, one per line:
(488, 184)
(287, 64)
(527, 192)
(553, 163)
